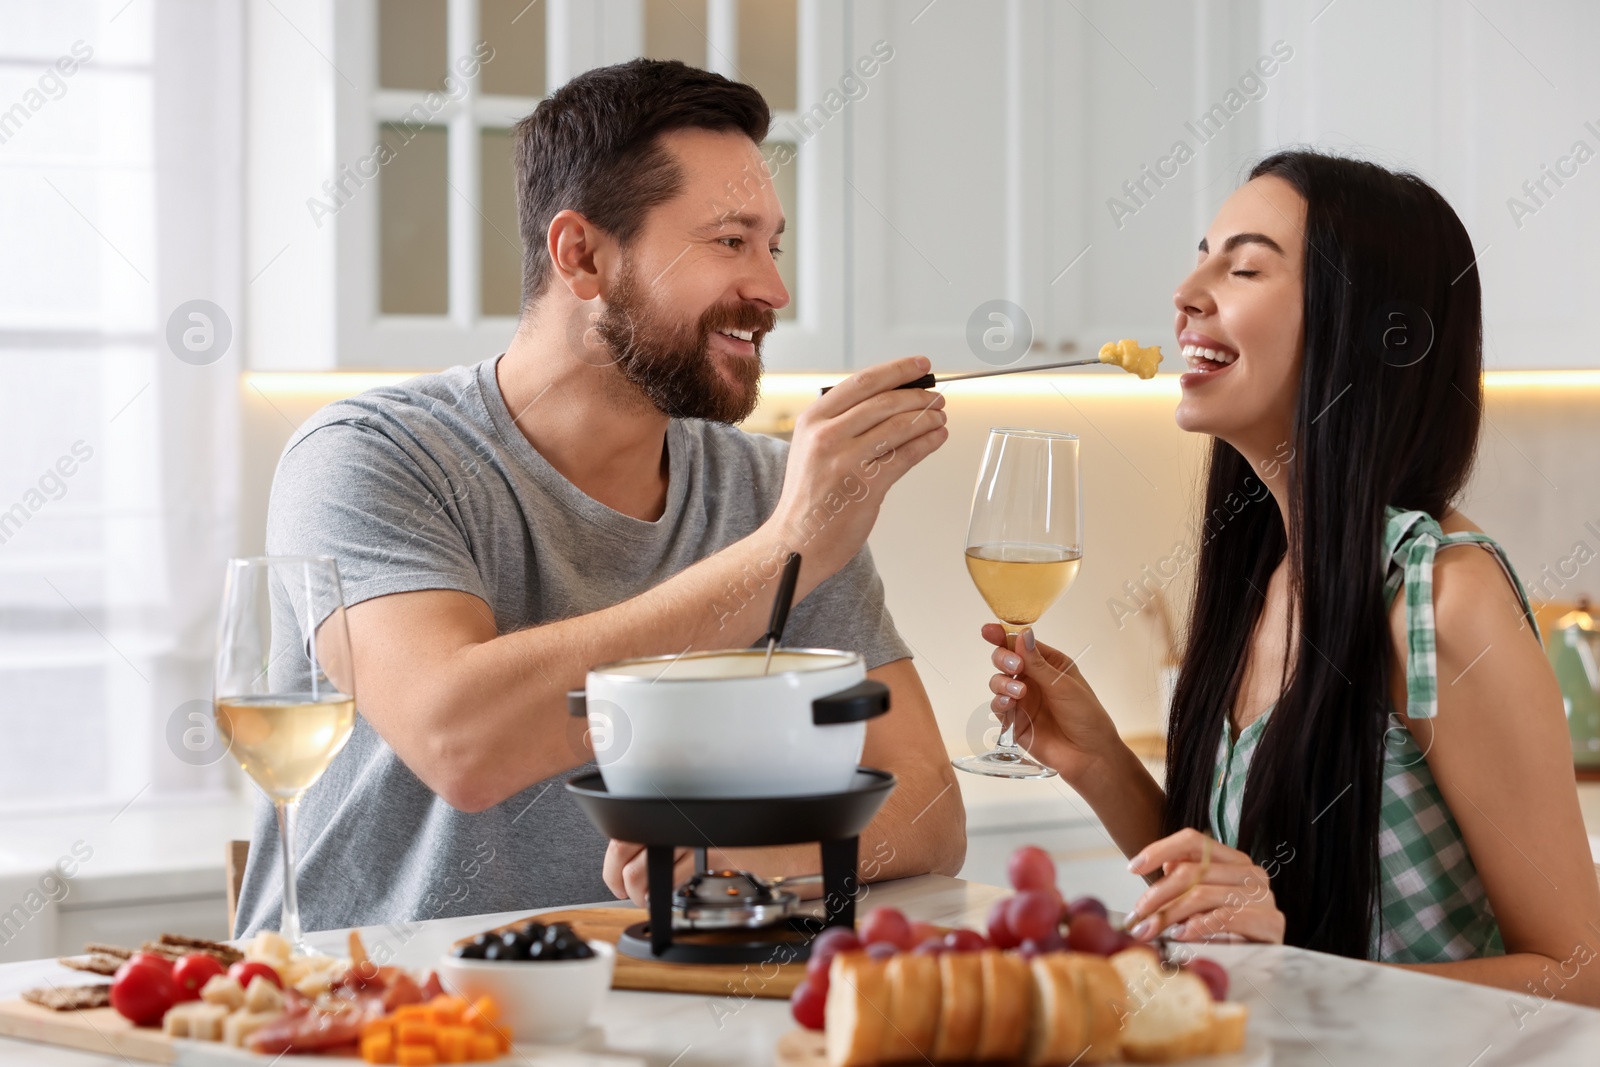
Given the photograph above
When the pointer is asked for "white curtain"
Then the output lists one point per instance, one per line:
(120, 193)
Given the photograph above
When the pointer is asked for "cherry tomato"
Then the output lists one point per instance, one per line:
(153, 959)
(142, 992)
(245, 970)
(1212, 974)
(921, 931)
(1030, 867)
(193, 972)
(999, 930)
(887, 924)
(932, 946)
(808, 1004)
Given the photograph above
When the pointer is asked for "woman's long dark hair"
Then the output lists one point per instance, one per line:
(1387, 413)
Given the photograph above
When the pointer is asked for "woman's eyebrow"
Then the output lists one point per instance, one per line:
(1245, 239)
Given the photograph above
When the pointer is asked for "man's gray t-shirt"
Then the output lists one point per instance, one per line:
(430, 485)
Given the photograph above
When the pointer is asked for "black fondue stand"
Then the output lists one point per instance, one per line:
(662, 825)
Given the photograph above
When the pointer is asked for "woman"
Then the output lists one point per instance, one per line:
(1367, 752)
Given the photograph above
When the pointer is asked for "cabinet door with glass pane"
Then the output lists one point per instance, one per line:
(430, 258)
(791, 50)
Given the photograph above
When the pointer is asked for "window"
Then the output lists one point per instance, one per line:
(118, 476)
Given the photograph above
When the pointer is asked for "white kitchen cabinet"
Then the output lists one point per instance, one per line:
(1063, 157)
(987, 164)
(1498, 106)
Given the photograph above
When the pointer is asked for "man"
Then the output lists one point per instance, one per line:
(583, 498)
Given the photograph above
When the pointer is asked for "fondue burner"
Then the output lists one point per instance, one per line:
(733, 900)
(726, 916)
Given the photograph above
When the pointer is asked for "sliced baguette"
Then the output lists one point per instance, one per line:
(858, 997)
(913, 1015)
(1059, 1023)
(1228, 1021)
(955, 1038)
(1007, 1005)
(1169, 1011)
(1104, 1001)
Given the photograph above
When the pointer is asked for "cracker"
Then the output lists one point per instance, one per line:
(98, 963)
(71, 997)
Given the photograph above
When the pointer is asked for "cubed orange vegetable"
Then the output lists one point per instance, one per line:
(502, 1033)
(481, 1012)
(414, 1032)
(454, 1044)
(447, 1010)
(485, 1047)
(383, 1025)
(406, 1012)
(378, 1047)
(416, 1056)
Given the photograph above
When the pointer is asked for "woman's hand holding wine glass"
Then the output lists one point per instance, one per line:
(1043, 697)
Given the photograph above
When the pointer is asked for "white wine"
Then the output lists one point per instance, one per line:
(286, 741)
(1021, 581)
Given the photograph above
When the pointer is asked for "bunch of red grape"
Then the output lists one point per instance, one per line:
(1034, 920)
(884, 932)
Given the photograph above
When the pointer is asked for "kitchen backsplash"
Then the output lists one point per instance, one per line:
(1536, 490)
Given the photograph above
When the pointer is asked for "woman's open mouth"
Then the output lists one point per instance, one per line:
(1205, 363)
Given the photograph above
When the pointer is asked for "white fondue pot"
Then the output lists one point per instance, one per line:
(711, 724)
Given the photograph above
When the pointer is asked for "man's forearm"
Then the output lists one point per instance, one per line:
(920, 829)
(514, 686)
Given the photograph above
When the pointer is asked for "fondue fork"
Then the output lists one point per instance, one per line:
(928, 381)
(780, 607)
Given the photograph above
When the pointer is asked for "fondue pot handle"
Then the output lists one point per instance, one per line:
(865, 700)
(577, 703)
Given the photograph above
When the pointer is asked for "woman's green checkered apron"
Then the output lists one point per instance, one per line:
(1432, 906)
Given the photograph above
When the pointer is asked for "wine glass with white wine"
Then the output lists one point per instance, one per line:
(1024, 545)
(284, 692)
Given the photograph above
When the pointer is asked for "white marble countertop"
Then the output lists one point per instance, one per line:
(1312, 1009)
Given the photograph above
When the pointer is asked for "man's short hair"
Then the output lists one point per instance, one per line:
(594, 146)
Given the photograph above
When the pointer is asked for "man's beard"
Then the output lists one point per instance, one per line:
(670, 361)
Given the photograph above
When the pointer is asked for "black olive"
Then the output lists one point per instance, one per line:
(482, 940)
(496, 950)
(534, 929)
(555, 930)
(515, 945)
(538, 951)
(580, 951)
(470, 951)
(560, 947)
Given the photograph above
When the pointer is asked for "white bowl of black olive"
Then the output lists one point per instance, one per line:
(546, 979)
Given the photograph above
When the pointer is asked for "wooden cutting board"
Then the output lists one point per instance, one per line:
(742, 980)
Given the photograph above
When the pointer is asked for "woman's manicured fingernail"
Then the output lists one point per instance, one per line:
(1014, 688)
(1013, 663)
(1027, 638)
(1143, 929)
(1004, 702)
(1135, 863)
